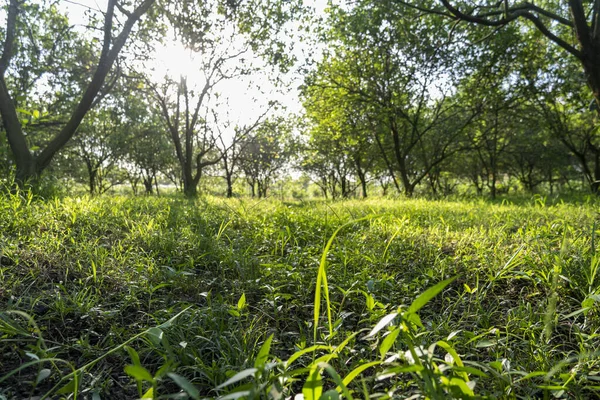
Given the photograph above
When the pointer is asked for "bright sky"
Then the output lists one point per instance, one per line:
(247, 97)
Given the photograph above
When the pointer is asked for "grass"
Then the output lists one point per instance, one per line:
(122, 298)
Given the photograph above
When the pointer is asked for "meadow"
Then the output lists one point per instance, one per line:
(164, 297)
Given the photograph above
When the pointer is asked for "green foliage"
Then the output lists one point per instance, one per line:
(140, 292)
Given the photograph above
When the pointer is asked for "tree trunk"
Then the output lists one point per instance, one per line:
(229, 179)
(596, 182)
(92, 180)
(148, 185)
(363, 183)
(189, 189)
(492, 186)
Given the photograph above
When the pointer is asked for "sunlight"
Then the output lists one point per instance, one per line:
(172, 59)
(245, 97)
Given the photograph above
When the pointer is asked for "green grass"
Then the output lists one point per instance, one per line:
(121, 298)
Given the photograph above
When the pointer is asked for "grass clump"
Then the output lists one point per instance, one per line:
(122, 298)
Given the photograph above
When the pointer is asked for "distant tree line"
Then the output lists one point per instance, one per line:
(412, 95)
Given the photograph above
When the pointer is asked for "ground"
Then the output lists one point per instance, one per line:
(155, 296)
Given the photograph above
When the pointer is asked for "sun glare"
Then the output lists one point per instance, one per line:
(174, 60)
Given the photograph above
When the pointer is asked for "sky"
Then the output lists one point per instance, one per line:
(244, 98)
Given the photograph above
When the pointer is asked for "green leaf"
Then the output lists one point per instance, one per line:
(139, 373)
(486, 343)
(337, 379)
(462, 385)
(155, 335)
(322, 280)
(313, 387)
(531, 375)
(148, 395)
(455, 357)
(356, 371)
(429, 294)
(471, 370)
(330, 395)
(238, 377)
(68, 388)
(135, 358)
(241, 304)
(341, 346)
(388, 342)
(186, 385)
(235, 395)
(300, 353)
(43, 374)
(36, 114)
(263, 353)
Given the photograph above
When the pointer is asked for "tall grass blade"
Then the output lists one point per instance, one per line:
(322, 280)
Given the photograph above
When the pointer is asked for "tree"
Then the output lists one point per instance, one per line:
(148, 151)
(100, 146)
(30, 165)
(265, 153)
(574, 26)
(389, 66)
(231, 153)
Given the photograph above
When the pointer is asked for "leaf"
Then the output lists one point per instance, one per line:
(471, 370)
(235, 395)
(356, 371)
(300, 353)
(241, 304)
(36, 114)
(459, 383)
(148, 395)
(341, 346)
(155, 335)
(486, 343)
(455, 357)
(68, 388)
(381, 324)
(186, 385)
(322, 280)
(43, 374)
(313, 387)
(330, 395)
(388, 342)
(429, 294)
(238, 377)
(453, 334)
(263, 353)
(139, 373)
(135, 358)
(336, 378)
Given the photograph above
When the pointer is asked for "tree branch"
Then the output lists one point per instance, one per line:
(107, 59)
(9, 41)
